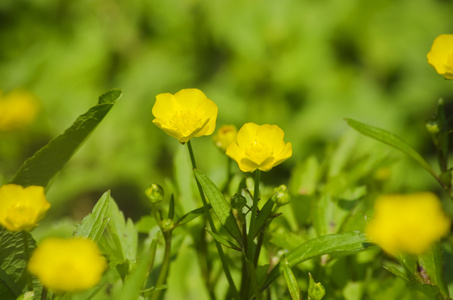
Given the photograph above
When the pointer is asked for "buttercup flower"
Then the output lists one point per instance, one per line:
(67, 265)
(17, 109)
(407, 223)
(225, 136)
(259, 147)
(441, 55)
(186, 114)
(22, 208)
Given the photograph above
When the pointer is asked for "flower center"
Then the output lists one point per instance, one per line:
(257, 152)
(185, 122)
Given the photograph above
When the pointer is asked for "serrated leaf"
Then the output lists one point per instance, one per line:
(263, 215)
(391, 140)
(221, 207)
(94, 224)
(224, 241)
(13, 261)
(290, 279)
(343, 243)
(431, 261)
(46, 162)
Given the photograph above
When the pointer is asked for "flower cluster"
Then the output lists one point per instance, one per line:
(67, 265)
(407, 223)
(22, 208)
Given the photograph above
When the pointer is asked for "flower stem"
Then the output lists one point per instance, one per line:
(165, 266)
(27, 257)
(211, 224)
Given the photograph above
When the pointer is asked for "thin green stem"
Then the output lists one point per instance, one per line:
(27, 257)
(44, 293)
(165, 266)
(211, 224)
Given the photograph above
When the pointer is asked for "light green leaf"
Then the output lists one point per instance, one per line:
(94, 224)
(263, 215)
(46, 162)
(291, 281)
(190, 216)
(341, 243)
(13, 263)
(431, 261)
(220, 206)
(391, 140)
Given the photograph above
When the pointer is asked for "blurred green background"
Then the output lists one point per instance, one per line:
(303, 65)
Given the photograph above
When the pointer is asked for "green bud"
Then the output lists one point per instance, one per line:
(155, 193)
(238, 201)
(281, 195)
(167, 224)
(316, 291)
(432, 126)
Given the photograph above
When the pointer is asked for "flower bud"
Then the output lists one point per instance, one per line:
(432, 126)
(238, 201)
(281, 195)
(316, 291)
(155, 193)
(167, 224)
(225, 136)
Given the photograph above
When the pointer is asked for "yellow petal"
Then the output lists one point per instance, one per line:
(440, 56)
(166, 105)
(246, 165)
(286, 153)
(208, 110)
(247, 135)
(271, 136)
(190, 98)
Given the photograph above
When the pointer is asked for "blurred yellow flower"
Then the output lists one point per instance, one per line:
(186, 114)
(441, 55)
(407, 223)
(225, 136)
(22, 208)
(67, 265)
(259, 147)
(17, 109)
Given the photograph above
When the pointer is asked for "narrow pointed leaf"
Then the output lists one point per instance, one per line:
(431, 261)
(94, 224)
(227, 243)
(263, 216)
(190, 216)
(46, 162)
(341, 243)
(291, 281)
(220, 206)
(391, 140)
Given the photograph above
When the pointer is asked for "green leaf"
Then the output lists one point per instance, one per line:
(220, 206)
(94, 224)
(190, 216)
(263, 215)
(431, 261)
(46, 162)
(13, 261)
(224, 241)
(291, 281)
(391, 140)
(341, 243)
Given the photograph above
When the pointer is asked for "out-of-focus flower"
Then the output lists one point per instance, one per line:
(67, 265)
(407, 223)
(441, 55)
(186, 114)
(17, 110)
(22, 208)
(259, 147)
(225, 136)
(155, 193)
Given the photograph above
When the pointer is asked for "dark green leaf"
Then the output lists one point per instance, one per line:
(224, 241)
(13, 261)
(263, 215)
(190, 216)
(291, 281)
(44, 164)
(220, 206)
(94, 224)
(391, 140)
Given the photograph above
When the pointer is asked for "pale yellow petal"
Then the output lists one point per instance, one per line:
(208, 110)
(165, 106)
(190, 98)
(441, 52)
(247, 135)
(246, 165)
(286, 153)
(271, 136)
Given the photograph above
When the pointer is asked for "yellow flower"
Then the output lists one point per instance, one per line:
(441, 55)
(17, 109)
(22, 208)
(67, 265)
(225, 136)
(186, 114)
(407, 223)
(259, 147)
